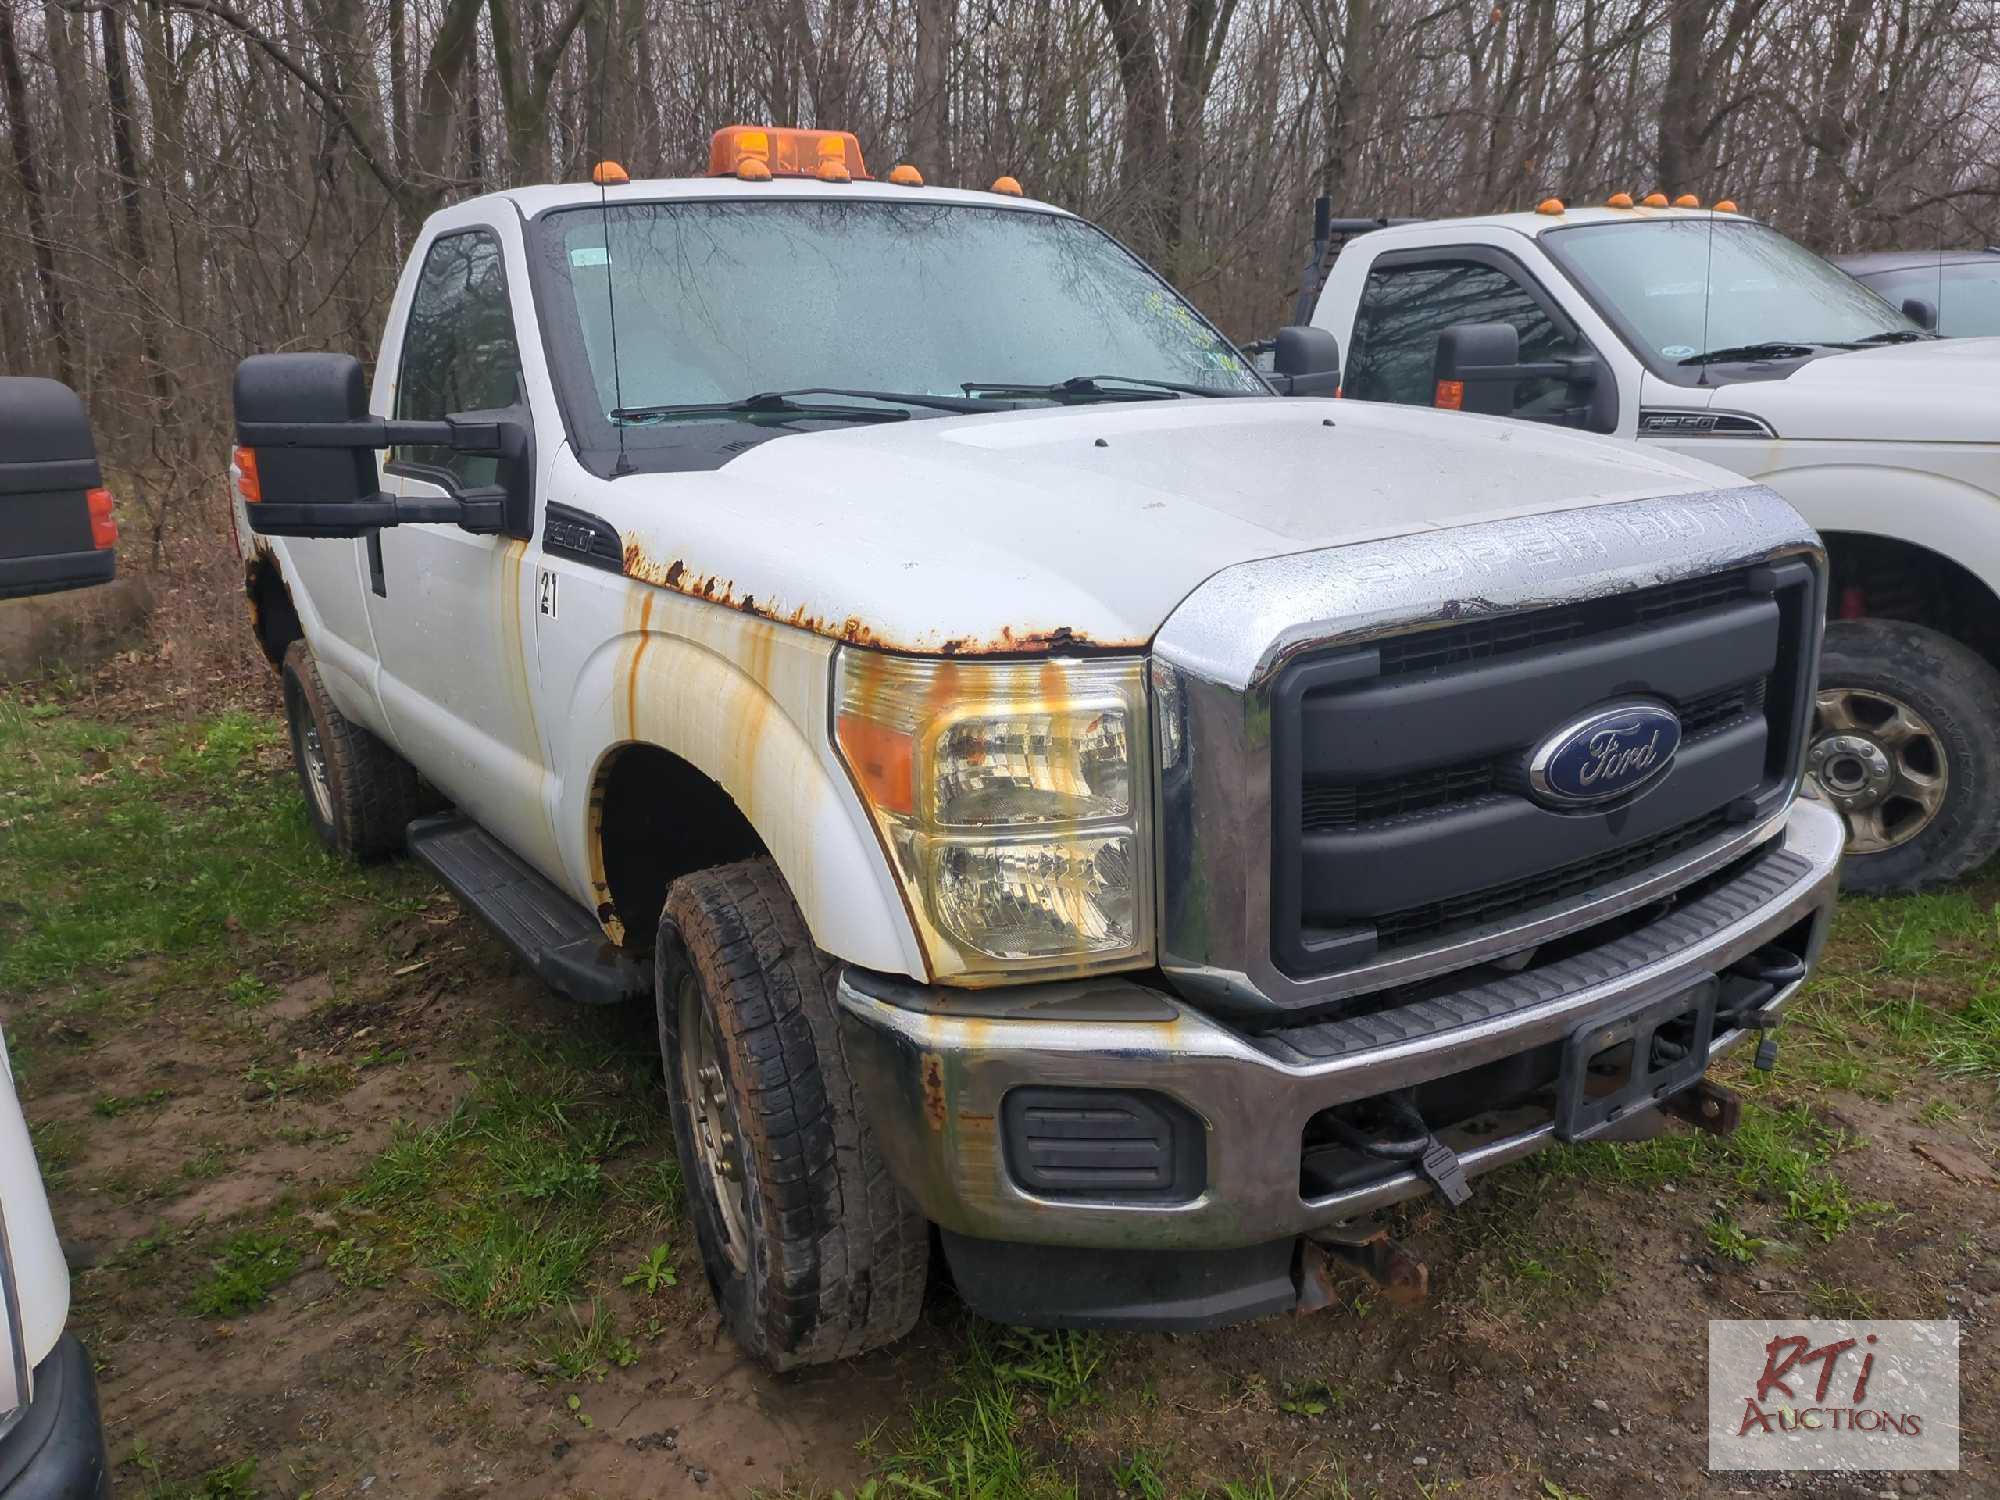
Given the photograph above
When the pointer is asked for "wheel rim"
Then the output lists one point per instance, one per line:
(315, 759)
(718, 1141)
(1880, 764)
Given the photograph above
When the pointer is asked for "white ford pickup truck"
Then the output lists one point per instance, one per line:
(1709, 334)
(1051, 788)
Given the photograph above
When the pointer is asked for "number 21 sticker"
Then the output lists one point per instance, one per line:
(545, 592)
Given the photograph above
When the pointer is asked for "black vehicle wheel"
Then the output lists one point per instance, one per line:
(360, 794)
(811, 1249)
(1904, 749)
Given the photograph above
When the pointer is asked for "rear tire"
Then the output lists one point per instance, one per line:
(1904, 749)
(811, 1249)
(360, 795)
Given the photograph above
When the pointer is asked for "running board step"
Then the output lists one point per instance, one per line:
(555, 937)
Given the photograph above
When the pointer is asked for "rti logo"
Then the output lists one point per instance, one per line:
(1833, 1395)
(1788, 1353)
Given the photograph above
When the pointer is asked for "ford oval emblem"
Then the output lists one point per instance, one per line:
(1604, 755)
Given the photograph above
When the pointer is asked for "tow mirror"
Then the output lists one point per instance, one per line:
(306, 460)
(1305, 362)
(1923, 314)
(1479, 364)
(56, 528)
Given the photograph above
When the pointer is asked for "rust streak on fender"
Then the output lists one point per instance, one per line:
(852, 629)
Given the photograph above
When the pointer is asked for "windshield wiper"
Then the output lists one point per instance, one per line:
(1093, 388)
(1747, 352)
(763, 404)
(894, 398)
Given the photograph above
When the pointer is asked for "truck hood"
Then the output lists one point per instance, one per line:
(1942, 391)
(1085, 526)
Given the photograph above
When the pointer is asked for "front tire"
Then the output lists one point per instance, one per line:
(1904, 750)
(360, 794)
(812, 1251)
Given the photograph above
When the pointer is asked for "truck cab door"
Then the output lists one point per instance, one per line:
(451, 610)
(1410, 297)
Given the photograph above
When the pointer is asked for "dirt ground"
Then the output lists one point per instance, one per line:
(344, 1216)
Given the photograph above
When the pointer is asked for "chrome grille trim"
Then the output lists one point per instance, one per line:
(1216, 657)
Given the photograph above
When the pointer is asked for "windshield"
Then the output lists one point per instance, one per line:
(720, 300)
(1680, 288)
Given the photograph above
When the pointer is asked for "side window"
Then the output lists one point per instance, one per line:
(1405, 307)
(459, 350)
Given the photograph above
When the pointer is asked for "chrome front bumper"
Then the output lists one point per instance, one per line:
(934, 1065)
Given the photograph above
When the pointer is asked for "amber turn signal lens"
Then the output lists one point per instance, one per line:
(1450, 395)
(103, 530)
(883, 760)
(247, 483)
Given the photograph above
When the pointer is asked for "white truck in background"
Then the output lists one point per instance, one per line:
(1706, 333)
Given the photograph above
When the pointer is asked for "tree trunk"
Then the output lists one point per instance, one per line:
(21, 132)
(1141, 158)
(929, 125)
(1681, 97)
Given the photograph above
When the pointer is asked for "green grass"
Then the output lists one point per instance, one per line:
(154, 841)
(972, 1442)
(252, 1265)
(505, 1201)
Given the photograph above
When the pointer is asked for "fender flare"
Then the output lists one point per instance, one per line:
(728, 719)
(1947, 516)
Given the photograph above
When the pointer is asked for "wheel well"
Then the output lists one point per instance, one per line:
(272, 615)
(655, 818)
(1884, 578)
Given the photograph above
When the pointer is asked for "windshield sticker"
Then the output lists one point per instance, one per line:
(1678, 351)
(590, 255)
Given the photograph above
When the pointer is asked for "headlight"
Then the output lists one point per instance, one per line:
(1013, 796)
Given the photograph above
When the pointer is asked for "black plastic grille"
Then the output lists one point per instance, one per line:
(1398, 929)
(1328, 804)
(1369, 858)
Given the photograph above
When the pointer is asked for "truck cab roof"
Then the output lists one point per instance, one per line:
(532, 202)
(1535, 224)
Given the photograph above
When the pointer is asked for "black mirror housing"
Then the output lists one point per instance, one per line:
(293, 390)
(1473, 366)
(56, 531)
(1923, 314)
(1305, 361)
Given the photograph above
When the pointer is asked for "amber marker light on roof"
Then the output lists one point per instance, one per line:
(1687, 200)
(1655, 200)
(1725, 205)
(1008, 186)
(1549, 206)
(1618, 200)
(833, 161)
(609, 174)
(905, 175)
